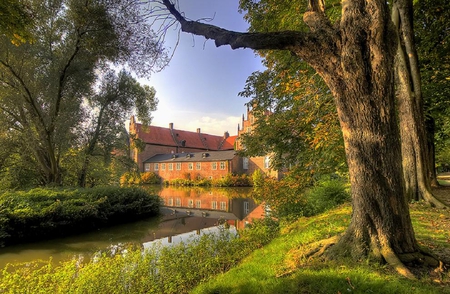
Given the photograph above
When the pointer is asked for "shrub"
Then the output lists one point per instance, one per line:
(44, 213)
(150, 178)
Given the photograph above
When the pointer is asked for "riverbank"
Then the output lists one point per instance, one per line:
(39, 214)
(281, 266)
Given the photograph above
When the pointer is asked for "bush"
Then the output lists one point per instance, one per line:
(150, 178)
(325, 195)
(289, 199)
(44, 213)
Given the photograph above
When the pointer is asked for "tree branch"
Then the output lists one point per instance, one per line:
(286, 40)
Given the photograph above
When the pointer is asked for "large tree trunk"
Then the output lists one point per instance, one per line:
(415, 153)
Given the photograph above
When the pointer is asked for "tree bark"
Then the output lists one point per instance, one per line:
(355, 58)
(415, 152)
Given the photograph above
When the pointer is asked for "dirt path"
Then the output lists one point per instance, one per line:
(443, 192)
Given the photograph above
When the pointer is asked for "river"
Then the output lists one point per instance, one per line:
(185, 211)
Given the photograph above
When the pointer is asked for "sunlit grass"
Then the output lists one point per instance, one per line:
(280, 267)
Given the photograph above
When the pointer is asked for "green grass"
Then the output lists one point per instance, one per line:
(280, 267)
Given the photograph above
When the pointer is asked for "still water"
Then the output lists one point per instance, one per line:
(185, 211)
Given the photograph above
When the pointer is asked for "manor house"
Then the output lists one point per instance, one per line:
(174, 153)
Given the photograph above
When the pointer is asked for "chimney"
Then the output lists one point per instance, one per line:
(171, 126)
(226, 135)
(198, 130)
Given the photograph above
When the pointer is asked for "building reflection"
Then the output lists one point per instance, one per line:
(190, 210)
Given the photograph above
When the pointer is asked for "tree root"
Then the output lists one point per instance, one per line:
(401, 263)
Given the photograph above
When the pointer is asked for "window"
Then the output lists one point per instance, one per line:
(266, 162)
(214, 205)
(178, 165)
(170, 202)
(222, 165)
(163, 166)
(223, 205)
(191, 166)
(246, 208)
(198, 204)
(170, 166)
(245, 163)
(252, 119)
(214, 165)
(198, 165)
(178, 202)
(156, 166)
(146, 167)
(190, 203)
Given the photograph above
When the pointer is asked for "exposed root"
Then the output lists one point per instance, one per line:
(317, 249)
(393, 260)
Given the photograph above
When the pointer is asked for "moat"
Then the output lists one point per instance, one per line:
(186, 211)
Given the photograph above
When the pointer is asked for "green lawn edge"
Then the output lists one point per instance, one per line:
(280, 268)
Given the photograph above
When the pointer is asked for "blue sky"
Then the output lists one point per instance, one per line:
(200, 86)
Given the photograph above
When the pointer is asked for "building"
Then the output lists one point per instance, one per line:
(195, 165)
(252, 164)
(149, 141)
(179, 154)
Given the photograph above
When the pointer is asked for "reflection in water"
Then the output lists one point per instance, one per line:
(185, 210)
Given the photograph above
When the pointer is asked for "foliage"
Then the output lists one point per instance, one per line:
(15, 21)
(282, 265)
(295, 116)
(230, 180)
(51, 89)
(43, 213)
(175, 269)
(431, 26)
(289, 200)
(150, 178)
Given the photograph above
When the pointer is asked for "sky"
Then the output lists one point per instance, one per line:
(199, 88)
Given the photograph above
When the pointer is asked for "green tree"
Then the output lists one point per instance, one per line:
(431, 27)
(355, 58)
(45, 83)
(117, 97)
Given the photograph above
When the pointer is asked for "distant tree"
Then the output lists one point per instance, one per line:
(118, 95)
(431, 27)
(355, 58)
(44, 84)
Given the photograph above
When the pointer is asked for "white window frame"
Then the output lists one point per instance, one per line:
(190, 166)
(222, 165)
(156, 165)
(245, 163)
(267, 162)
(178, 165)
(170, 166)
(214, 205)
(223, 205)
(163, 166)
(198, 166)
(147, 167)
(214, 165)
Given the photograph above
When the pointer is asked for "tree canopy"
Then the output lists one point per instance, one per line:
(46, 84)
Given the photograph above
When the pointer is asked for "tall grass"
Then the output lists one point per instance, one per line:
(159, 269)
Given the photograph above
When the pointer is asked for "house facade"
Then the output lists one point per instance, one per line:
(195, 165)
(152, 140)
(177, 154)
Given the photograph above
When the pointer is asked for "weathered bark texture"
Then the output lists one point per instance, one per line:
(415, 153)
(355, 58)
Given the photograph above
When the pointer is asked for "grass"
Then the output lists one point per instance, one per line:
(280, 267)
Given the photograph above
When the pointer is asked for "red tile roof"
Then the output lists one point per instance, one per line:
(173, 137)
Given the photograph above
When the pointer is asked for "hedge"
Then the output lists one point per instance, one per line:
(47, 213)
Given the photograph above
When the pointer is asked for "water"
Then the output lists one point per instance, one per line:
(185, 211)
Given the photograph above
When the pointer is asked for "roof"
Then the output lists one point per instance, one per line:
(173, 137)
(193, 156)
